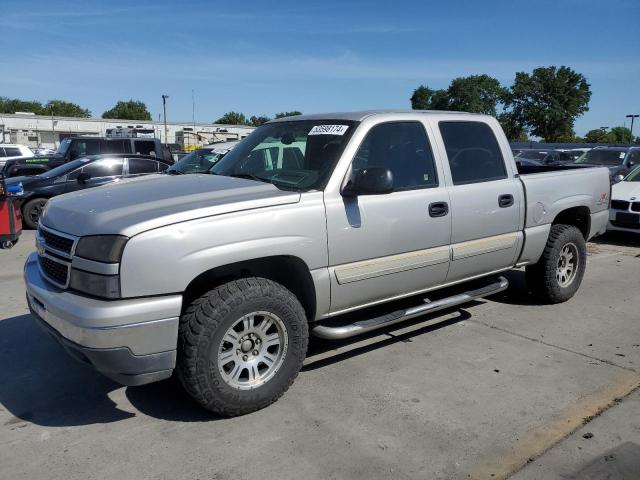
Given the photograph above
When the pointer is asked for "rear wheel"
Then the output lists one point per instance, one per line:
(32, 210)
(241, 345)
(558, 274)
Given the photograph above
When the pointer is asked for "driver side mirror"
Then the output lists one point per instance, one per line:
(618, 178)
(369, 181)
(83, 177)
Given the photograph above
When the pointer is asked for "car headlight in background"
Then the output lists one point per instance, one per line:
(101, 248)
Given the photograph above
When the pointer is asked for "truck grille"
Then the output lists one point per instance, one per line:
(55, 241)
(56, 272)
(619, 204)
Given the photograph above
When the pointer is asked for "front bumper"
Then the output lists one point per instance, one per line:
(130, 341)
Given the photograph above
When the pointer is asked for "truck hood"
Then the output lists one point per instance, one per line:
(627, 191)
(134, 206)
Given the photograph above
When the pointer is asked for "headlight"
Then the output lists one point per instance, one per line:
(101, 248)
(105, 286)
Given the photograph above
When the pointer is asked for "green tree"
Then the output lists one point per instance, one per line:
(620, 135)
(548, 101)
(129, 110)
(476, 94)
(233, 118)
(288, 114)
(425, 98)
(257, 121)
(13, 105)
(513, 128)
(60, 108)
(597, 135)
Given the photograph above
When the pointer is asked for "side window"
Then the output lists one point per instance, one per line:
(145, 147)
(403, 148)
(12, 152)
(138, 166)
(82, 148)
(115, 146)
(473, 152)
(2, 152)
(634, 158)
(108, 167)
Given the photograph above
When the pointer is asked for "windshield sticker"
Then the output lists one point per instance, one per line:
(621, 154)
(329, 130)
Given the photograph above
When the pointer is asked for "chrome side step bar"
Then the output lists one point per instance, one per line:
(364, 326)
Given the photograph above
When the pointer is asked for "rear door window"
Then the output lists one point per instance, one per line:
(138, 166)
(12, 152)
(83, 148)
(145, 147)
(473, 152)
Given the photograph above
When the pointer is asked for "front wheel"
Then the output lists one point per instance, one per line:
(241, 345)
(558, 274)
(32, 210)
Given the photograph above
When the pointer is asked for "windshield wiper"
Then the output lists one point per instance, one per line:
(249, 176)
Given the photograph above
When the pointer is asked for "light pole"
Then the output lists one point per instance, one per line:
(631, 129)
(164, 108)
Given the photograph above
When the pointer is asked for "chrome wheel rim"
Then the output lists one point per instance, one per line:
(567, 266)
(252, 350)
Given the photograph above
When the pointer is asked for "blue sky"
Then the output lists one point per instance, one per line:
(262, 57)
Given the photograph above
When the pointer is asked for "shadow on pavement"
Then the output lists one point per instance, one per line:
(619, 239)
(620, 463)
(517, 293)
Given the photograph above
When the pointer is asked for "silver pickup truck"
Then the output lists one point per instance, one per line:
(331, 225)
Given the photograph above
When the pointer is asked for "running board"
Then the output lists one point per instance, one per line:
(364, 326)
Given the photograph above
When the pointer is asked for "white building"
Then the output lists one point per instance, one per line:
(37, 130)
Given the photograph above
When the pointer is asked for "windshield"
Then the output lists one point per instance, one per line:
(64, 169)
(64, 146)
(531, 155)
(634, 176)
(298, 155)
(602, 157)
(198, 161)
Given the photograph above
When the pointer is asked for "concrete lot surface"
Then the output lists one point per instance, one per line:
(477, 392)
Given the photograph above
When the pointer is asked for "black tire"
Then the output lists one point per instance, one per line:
(31, 212)
(542, 278)
(202, 330)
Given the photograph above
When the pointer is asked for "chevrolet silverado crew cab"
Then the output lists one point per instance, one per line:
(329, 225)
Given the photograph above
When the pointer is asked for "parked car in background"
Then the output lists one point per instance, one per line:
(80, 174)
(202, 159)
(223, 277)
(619, 160)
(574, 153)
(72, 148)
(542, 157)
(9, 151)
(624, 214)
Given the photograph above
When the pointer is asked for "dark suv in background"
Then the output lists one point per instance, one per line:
(86, 172)
(72, 148)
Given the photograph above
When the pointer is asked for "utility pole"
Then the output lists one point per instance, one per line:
(193, 117)
(631, 129)
(164, 109)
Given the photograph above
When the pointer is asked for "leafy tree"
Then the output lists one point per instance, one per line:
(476, 94)
(597, 135)
(288, 114)
(513, 128)
(233, 118)
(13, 105)
(257, 121)
(129, 110)
(548, 101)
(60, 108)
(425, 98)
(620, 135)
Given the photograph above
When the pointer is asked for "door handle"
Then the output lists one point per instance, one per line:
(505, 201)
(438, 209)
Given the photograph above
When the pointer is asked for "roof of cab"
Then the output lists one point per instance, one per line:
(359, 116)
